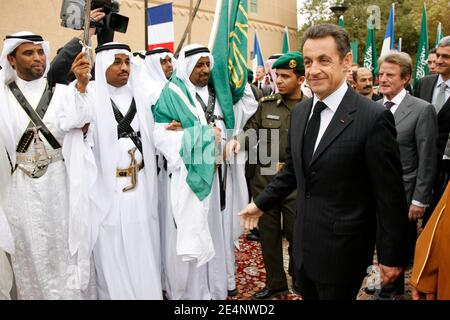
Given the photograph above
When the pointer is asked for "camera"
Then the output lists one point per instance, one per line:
(108, 6)
(72, 15)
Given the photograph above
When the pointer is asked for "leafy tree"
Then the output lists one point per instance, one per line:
(408, 15)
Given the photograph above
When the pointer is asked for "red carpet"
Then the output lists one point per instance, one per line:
(251, 274)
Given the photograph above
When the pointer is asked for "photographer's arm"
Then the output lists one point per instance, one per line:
(60, 66)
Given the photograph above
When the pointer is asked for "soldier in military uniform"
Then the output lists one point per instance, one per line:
(273, 115)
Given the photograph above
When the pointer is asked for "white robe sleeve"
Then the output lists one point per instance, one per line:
(243, 111)
(194, 242)
(168, 143)
(76, 110)
(6, 239)
(6, 277)
(82, 173)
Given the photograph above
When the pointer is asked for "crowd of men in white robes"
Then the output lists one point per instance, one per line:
(99, 197)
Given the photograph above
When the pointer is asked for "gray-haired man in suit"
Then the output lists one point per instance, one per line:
(416, 124)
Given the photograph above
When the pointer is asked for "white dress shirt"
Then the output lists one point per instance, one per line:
(437, 87)
(332, 101)
(397, 100)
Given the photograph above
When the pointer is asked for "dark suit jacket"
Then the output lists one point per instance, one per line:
(416, 124)
(424, 90)
(351, 195)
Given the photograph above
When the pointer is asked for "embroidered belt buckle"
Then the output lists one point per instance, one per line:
(35, 164)
(280, 166)
(131, 171)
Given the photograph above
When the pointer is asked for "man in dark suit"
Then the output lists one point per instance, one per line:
(416, 124)
(343, 158)
(436, 90)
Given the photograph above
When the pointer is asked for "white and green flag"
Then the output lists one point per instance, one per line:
(439, 34)
(341, 22)
(285, 48)
(421, 69)
(229, 49)
(370, 54)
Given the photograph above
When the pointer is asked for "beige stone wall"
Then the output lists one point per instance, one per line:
(42, 17)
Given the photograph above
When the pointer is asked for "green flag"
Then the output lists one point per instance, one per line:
(229, 74)
(197, 147)
(285, 48)
(354, 46)
(439, 34)
(370, 54)
(421, 69)
(341, 22)
(237, 55)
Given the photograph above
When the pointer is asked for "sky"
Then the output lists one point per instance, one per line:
(299, 17)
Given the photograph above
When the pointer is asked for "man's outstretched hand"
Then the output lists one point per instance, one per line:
(250, 216)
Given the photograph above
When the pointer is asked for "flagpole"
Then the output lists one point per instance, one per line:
(393, 24)
(438, 34)
(146, 24)
(212, 37)
(287, 35)
(194, 13)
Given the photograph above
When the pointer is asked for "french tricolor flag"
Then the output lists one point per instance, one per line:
(160, 27)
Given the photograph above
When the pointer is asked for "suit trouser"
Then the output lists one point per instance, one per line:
(312, 290)
(442, 179)
(271, 236)
(398, 286)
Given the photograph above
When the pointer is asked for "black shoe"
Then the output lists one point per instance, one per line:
(269, 293)
(232, 293)
(252, 237)
(370, 291)
(296, 289)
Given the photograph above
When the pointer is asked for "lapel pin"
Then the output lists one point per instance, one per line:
(342, 121)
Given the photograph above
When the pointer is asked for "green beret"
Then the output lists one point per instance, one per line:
(290, 60)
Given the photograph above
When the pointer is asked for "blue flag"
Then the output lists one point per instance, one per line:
(388, 43)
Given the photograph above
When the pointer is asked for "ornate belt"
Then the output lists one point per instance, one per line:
(35, 165)
(26, 158)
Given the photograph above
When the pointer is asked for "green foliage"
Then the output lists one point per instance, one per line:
(408, 15)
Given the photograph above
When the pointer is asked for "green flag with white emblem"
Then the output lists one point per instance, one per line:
(370, 55)
(229, 74)
(421, 69)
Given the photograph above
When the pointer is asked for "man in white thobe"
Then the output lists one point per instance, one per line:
(35, 194)
(126, 241)
(156, 68)
(199, 225)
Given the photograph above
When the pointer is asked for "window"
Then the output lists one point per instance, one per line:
(254, 6)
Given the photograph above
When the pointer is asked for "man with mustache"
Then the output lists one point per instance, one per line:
(364, 83)
(120, 174)
(34, 192)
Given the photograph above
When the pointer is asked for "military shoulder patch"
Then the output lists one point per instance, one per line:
(272, 97)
